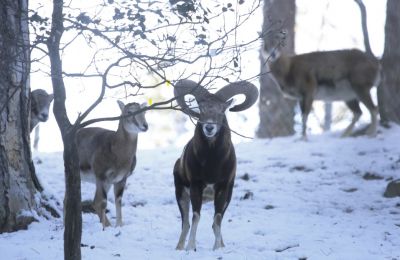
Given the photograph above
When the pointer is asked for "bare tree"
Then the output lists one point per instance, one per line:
(16, 184)
(276, 112)
(125, 46)
(327, 123)
(73, 217)
(389, 90)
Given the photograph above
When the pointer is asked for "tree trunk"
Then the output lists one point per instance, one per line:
(276, 112)
(72, 200)
(17, 189)
(73, 215)
(389, 90)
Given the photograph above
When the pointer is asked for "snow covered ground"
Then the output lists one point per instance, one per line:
(292, 200)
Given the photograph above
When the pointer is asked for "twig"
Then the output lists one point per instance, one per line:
(280, 250)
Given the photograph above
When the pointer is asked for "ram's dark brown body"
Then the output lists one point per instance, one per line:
(207, 163)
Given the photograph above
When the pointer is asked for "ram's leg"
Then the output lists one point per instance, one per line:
(223, 194)
(118, 192)
(355, 108)
(100, 202)
(183, 200)
(183, 204)
(196, 197)
(305, 107)
(365, 98)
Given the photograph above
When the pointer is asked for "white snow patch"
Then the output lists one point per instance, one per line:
(309, 200)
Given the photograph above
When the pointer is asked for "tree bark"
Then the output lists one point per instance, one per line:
(72, 200)
(389, 90)
(276, 112)
(17, 189)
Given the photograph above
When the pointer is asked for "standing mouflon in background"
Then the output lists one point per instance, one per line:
(208, 160)
(342, 75)
(108, 158)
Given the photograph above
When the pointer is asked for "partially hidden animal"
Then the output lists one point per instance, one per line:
(40, 104)
(108, 157)
(341, 75)
(208, 160)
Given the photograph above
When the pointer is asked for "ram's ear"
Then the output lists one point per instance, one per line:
(121, 105)
(143, 105)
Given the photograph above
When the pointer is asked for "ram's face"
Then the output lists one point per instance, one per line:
(212, 115)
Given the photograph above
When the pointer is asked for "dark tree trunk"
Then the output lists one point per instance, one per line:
(72, 201)
(73, 215)
(389, 90)
(17, 186)
(276, 112)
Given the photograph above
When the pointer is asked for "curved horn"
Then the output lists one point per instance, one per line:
(185, 87)
(241, 87)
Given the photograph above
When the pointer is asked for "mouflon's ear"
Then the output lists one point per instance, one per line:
(121, 105)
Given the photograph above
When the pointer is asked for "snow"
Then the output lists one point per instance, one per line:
(301, 200)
